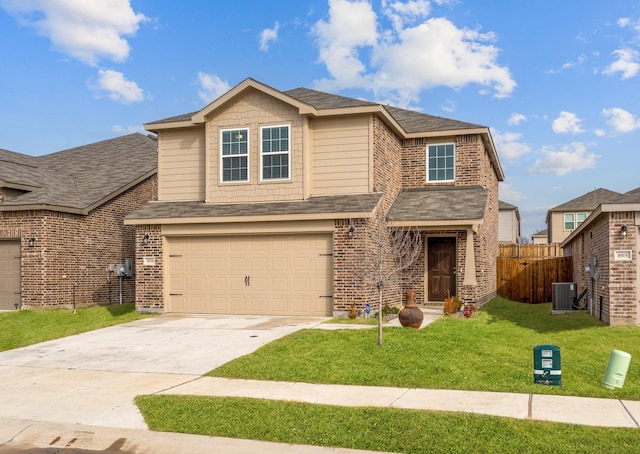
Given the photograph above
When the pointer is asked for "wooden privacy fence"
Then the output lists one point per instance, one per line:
(525, 272)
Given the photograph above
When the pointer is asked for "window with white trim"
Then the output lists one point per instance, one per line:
(275, 151)
(234, 146)
(573, 220)
(441, 162)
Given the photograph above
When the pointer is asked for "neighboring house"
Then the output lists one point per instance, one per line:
(605, 250)
(540, 237)
(265, 197)
(61, 221)
(508, 223)
(564, 219)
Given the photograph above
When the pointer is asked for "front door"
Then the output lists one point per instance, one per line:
(441, 266)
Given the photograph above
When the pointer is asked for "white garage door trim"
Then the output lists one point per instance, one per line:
(9, 274)
(256, 274)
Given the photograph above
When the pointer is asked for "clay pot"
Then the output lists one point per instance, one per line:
(411, 315)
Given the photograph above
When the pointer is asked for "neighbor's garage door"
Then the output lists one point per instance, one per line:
(9, 274)
(274, 274)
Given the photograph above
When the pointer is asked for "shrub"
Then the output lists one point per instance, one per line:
(452, 304)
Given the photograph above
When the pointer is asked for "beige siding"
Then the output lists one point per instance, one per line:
(181, 165)
(506, 226)
(557, 233)
(341, 155)
(254, 110)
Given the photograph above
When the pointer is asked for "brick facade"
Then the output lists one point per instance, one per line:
(68, 263)
(613, 293)
(401, 165)
(394, 163)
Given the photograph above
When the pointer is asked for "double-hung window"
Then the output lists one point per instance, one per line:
(573, 220)
(275, 152)
(234, 144)
(441, 162)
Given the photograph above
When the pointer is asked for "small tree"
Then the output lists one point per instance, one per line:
(388, 252)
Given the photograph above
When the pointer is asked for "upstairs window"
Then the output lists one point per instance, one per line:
(234, 144)
(569, 221)
(441, 162)
(275, 152)
(573, 220)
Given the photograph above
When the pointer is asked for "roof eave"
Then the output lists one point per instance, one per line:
(43, 207)
(155, 127)
(246, 219)
(439, 223)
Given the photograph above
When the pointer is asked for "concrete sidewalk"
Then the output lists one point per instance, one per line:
(564, 409)
(75, 395)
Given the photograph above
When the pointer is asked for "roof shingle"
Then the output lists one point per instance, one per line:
(80, 177)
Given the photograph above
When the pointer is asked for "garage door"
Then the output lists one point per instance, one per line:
(9, 275)
(274, 274)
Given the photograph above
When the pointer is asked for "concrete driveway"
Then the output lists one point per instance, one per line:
(92, 378)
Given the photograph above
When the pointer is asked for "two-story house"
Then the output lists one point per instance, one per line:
(565, 218)
(265, 196)
(605, 251)
(508, 223)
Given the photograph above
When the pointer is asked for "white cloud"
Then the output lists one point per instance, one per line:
(351, 25)
(129, 129)
(85, 30)
(449, 106)
(567, 159)
(118, 88)
(627, 63)
(567, 122)
(268, 35)
(621, 120)
(509, 145)
(509, 192)
(401, 13)
(516, 119)
(405, 59)
(211, 87)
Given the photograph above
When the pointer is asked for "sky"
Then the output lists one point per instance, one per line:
(557, 82)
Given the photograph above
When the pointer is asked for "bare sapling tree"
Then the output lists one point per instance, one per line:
(388, 252)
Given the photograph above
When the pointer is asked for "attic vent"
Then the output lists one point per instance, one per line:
(467, 138)
(414, 142)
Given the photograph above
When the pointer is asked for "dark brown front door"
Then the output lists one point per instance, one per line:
(441, 268)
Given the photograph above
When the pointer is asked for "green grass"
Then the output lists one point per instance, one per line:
(491, 351)
(22, 328)
(393, 430)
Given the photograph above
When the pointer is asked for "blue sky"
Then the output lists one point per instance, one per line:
(558, 83)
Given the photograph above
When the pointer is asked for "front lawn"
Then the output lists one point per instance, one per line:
(22, 328)
(492, 351)
(380, 429)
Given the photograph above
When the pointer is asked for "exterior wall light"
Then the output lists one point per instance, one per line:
(624, 229)
(145, 238)
(31, 242)
(352, 232)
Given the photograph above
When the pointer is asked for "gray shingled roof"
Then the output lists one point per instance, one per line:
(415, 122)
(506, 206)
(444, 203)
(362, 203)
(589, 201)
(411, 121)
(80, 177)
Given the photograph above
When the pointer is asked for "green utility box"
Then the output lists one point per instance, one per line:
(546, 365)
(616, 369)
